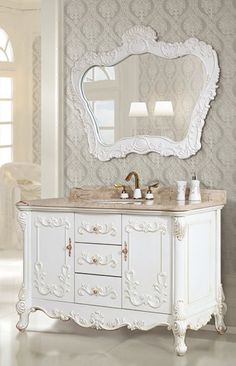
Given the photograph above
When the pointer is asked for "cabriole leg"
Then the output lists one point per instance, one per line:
(179, 330)
(23, 321)
(220, 312)
(22, 310)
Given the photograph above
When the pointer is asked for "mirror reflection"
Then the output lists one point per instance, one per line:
(144, 95)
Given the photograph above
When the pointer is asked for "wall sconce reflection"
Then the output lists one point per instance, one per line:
(138, 109)
(163, 108)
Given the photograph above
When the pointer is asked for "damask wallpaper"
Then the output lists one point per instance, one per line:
(98, 25)
(178, 80)
(36, 122)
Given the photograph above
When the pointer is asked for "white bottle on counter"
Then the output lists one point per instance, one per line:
(195, 194)
(181, 188)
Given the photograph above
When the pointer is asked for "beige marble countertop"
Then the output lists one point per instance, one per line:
(100, 198)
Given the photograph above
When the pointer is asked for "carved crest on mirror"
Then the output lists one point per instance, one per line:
(141, 40)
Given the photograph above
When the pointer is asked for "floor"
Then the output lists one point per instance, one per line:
(49, 342)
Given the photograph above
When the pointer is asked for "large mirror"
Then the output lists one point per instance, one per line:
(146, 95)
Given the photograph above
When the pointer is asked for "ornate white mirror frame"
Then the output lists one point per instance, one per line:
(140, 40)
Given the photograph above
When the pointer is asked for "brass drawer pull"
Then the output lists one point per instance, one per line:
(125, 251)
(95, 291)
(69, 247)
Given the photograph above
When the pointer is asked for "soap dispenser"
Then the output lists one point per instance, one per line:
(195, 194)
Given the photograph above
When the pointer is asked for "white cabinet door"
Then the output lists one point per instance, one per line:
(53, 256)
(146, 263)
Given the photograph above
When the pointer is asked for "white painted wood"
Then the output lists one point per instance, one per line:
(146, 270)
(52, 98)
(200, 259)
(98, 290)
(52, 263)
(104, 229)
(101, 317)
(140, 40)
(98, 259)
(170, 269)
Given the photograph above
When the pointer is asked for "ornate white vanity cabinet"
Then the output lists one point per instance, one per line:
(111, 265)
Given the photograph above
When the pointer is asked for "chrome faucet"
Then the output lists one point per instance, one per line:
(137, 191)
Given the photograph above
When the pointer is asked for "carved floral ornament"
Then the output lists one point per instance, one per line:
(179, 228)
(52, 222)
(97, 259)
(105, 229)
(22, 219)
(139, 40)
(97, 291)
(98, 320)
(59, 289)
(146, 227)
(155, 300)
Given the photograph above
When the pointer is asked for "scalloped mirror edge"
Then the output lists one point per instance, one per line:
(139, 40)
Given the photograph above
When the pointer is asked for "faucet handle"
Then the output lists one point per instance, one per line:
(123, 194)
(153, 185)
(118, 185)
(149, 194)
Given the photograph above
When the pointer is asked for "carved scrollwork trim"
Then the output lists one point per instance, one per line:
(220, 311)
(21, 304)
(52, 222)
(23, 309)
(221, 304)
(179, 330)
(154, 301)
(179, 228)
(97, 320)
(136, 40)
(97, 259)
(59, 290)
(97, 291)
(106, 229)
(146, 227)
(200, 321)
(179, 310)
(22, 218)
(179, 326)
(195, 322)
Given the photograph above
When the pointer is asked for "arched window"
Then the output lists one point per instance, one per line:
(6, 98)
(6, 51)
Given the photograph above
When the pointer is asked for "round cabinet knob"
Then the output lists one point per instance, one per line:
(95, 260)
(95, 229)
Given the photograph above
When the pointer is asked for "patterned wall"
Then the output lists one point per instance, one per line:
(98, 25)
(179, 80)
(36, 123)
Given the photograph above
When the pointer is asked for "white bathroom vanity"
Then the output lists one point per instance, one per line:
(107, 264)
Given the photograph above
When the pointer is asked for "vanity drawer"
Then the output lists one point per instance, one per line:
(98, 259)
(99, 228)
(98, 290)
